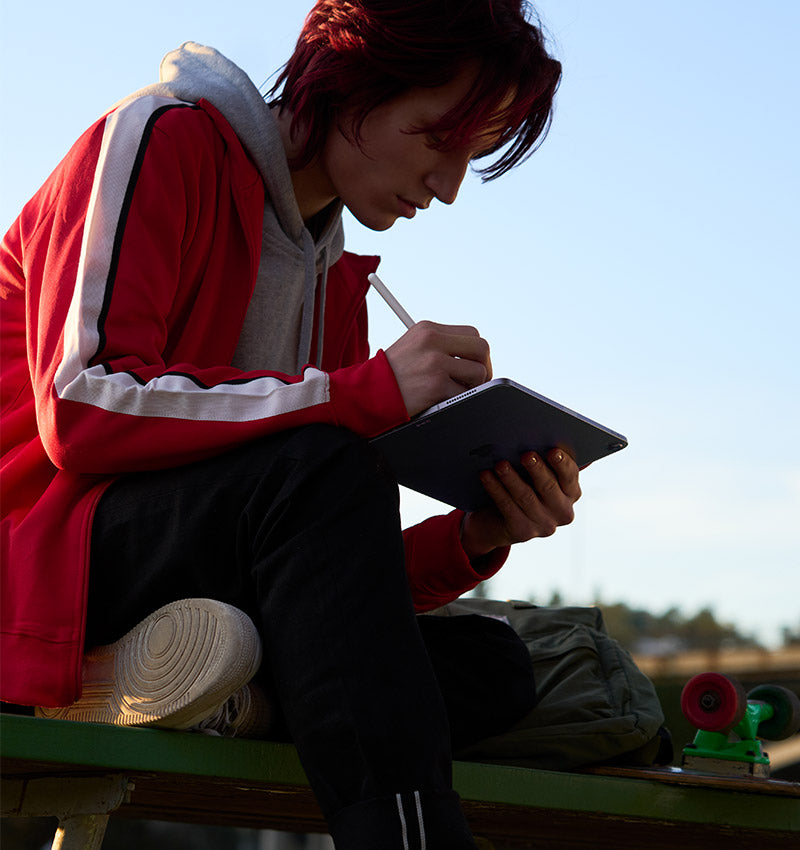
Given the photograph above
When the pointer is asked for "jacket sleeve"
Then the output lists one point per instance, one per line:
(438, 569)
(118, 259)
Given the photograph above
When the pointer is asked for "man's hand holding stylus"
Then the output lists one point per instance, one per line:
(433, 362)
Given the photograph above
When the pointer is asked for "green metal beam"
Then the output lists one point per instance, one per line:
(157, 750)
(625, 797)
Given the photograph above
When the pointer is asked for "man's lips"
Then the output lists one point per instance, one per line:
(409, 208)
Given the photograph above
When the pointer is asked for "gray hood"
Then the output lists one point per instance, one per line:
(278, 327)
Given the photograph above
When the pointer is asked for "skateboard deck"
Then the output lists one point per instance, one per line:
(702, 779)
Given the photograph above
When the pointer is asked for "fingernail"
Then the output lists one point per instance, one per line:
(558, 457)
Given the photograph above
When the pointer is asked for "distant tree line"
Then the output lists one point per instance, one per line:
(673, 631)
(791, 636)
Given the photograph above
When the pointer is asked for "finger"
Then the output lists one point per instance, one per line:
(567, 471)
(545, 482)
(531, 516)
(458, 341)
(450, 330)
(516, 524)
(461, 341)
(469, 347)
(468, 373)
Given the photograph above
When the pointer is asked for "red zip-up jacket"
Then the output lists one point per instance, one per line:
(125, 282)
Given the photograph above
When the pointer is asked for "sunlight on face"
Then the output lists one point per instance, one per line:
(394, 169)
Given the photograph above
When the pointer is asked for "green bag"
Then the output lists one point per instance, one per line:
(594, 705)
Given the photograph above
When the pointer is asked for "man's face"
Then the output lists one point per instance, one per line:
(394, 171)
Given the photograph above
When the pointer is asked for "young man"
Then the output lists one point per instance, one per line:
(187, 391)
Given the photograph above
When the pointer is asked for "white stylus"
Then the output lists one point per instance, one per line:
(387, 296)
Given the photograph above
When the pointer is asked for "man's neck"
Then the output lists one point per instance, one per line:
(312, 188)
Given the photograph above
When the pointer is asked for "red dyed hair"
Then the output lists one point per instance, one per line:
(360, 53)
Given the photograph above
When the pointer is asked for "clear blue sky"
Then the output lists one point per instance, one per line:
(641, 268)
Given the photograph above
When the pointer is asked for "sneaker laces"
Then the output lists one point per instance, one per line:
(246, 713)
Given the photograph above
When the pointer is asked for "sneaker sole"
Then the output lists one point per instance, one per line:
(172, 670)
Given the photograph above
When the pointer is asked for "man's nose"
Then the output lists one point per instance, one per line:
(445, 179)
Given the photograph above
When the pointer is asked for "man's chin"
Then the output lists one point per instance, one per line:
(377, 223)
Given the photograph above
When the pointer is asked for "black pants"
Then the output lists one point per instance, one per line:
(301, 530)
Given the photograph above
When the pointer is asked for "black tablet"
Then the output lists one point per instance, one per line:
(441, 451)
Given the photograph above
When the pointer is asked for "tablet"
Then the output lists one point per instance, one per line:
(441, 451)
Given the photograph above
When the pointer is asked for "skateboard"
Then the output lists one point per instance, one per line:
(727, 752)
(731, 723)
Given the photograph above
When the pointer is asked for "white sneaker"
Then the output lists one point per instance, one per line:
(173, 669)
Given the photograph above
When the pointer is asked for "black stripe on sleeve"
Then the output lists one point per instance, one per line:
(122, 221)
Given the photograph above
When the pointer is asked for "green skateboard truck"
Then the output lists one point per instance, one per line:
(731, 722)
